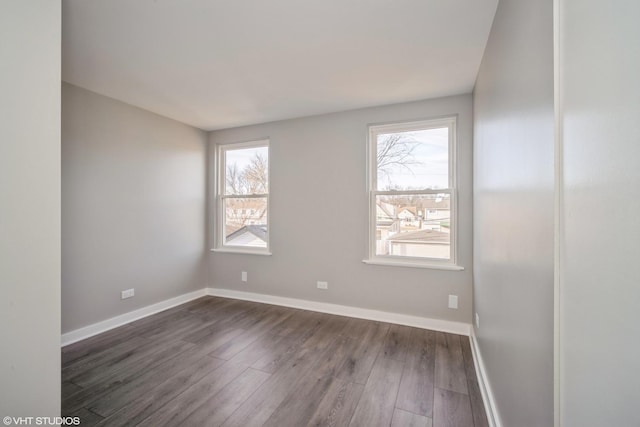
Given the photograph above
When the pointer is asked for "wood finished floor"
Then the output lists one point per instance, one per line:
(224, 362)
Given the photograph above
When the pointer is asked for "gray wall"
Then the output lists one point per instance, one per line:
(514, 211)
(30, 208)
(133, 207)
(319, 217)
(600, 279)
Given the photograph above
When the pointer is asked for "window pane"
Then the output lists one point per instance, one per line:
(415, 160)
(414, 225)
(245, 222)
(247, 171)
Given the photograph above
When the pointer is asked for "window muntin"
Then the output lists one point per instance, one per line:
(243, 197)
(412, 192)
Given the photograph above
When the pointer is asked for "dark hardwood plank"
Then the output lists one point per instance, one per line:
(267, 345)
(376, 405)
(450, 371)
(220, 319)
(300, 405)
(356, 327)
(258, 328)
(87, 418)
(204, 303)
(358, 365)
(451, 409)
(149, 403)
(180, 407)
(397, 342)
(407, 419)
(332, 361)
(416, 388)
(338, 405)
(193, 362)
(216, 410)
(281, 367)
(147, 355)
(313, 340)
(176, 329)
(256, 410)
(301, 323)
(165, 318)
(219, 338)
(477, 403)
(95, 359)
(96, 344)
(69, 389)
(118, 379)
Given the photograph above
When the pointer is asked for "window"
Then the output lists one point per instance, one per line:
(243, 198)
(412, 194)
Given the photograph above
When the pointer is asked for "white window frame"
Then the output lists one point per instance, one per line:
(449, 122)
(219, 234)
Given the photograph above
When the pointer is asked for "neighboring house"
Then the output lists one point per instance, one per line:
(436, 213)
(408, 214)
(249, 235)
(420, 230)
(245, 211)
(423, 243)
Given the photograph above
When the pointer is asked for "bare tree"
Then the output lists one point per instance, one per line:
(395, 149)
(251, 180)
(255, 175)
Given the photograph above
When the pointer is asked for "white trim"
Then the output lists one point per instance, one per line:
(123, 319)
(251, 251)
(417, 264)
(449, 122)
(490, 406)
(558, 103)
(459, 328)
(219, 193)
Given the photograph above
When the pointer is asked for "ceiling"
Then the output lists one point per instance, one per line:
(217, 64)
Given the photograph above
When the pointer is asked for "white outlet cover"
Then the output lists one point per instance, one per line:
(323, 285)
(477, 321)
(244, 276)
(127, 294)
(453, 301)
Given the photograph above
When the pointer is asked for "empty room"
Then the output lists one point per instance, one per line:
(320, 213)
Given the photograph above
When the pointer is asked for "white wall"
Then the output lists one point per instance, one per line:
(30, 208)
(133, 207)
(319, 217)
(600, 240)
(514, 211)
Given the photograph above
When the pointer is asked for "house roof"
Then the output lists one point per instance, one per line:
(422, 236)
(385, 209)
(260, 231)
(436, 204)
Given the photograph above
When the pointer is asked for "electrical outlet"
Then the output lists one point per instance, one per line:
(323, 285)
(128, 293)
(477, 321)
(453, 301)
(244, 276)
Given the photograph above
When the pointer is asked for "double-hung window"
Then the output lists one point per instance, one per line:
(412, 193)
(243, 198)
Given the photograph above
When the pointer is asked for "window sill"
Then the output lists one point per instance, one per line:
(413, 264)
(242, 251)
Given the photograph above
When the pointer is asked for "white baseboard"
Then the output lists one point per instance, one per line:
(114, 322)
(343, 310)
(490, 406)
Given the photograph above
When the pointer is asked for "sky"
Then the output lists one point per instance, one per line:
(429, 167)
(242, 157)
(430, 163)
